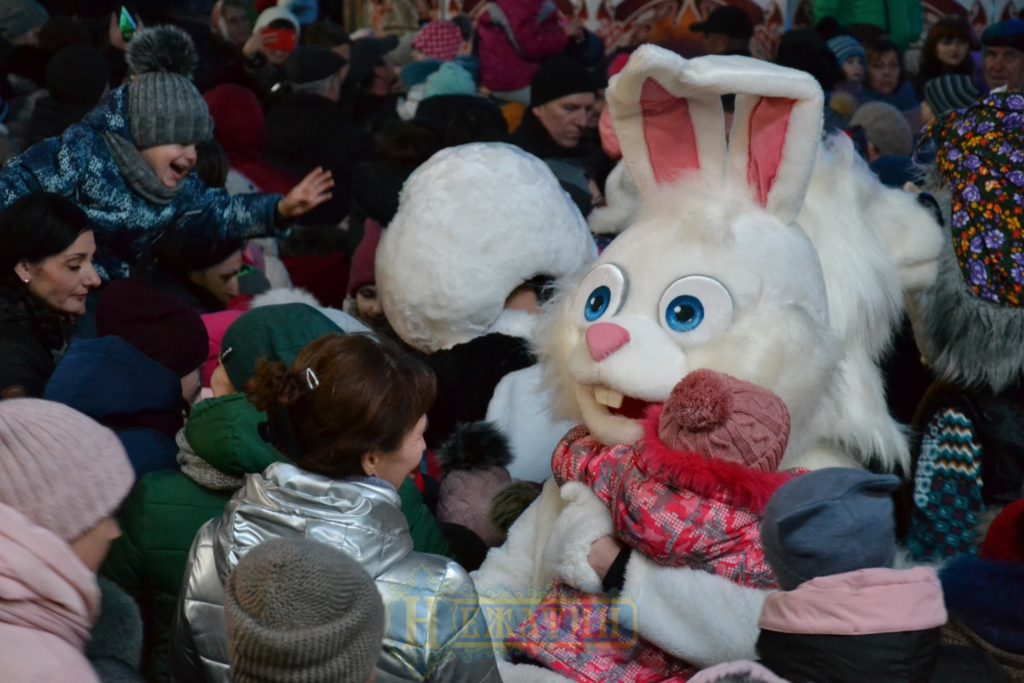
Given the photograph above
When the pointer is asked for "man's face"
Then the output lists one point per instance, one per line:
(1004, 66)
(565, 118)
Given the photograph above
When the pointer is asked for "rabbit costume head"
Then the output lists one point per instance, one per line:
(715, 272)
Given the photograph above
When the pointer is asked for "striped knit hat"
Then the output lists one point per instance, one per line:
(952, 91)
(844, 47)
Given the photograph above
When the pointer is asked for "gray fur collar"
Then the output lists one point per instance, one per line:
(964, 339)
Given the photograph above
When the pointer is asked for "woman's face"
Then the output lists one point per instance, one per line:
(63, 281)
(951, 50)
(92, 546)
(171, 163)
(220, 280)
(884, 72)
(394, 466)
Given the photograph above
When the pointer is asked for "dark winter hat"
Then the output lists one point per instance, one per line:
(164, 107)
(59, 468)
(311, 64)
(18, 17)
(363, 260)
(845, 47)
(952, 91)
(368, 53)
(728, 20)
(828, 522)
(299, 610)
(77, 75)
(558, 77)
(155, 322)
(1009, 33)
(271, 333)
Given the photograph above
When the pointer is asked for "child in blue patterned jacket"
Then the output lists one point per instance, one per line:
(128, 164)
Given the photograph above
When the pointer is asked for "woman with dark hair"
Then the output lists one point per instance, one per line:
(46, 272)
(350, 414)
(202, 273)
(886, 80)
(946, 51)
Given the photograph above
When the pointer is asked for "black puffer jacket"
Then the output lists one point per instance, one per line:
(32, 340)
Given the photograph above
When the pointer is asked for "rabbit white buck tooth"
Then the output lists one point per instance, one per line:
(607, 397)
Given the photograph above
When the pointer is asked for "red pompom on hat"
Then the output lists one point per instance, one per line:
(726, 419)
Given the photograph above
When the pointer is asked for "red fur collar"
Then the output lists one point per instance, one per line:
(725, 481)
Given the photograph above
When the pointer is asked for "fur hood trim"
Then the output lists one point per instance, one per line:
(985, 589)
(731, 482)
(474, 446)
(965, 339)
(284, 295)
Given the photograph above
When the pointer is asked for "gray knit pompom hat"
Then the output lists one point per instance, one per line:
(164, 107)
(303, 612)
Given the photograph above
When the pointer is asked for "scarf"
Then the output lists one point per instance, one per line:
(137, 173)
(202, 472)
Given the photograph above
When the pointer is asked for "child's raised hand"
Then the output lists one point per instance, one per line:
(310, 193)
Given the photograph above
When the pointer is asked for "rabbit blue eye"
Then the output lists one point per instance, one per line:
(684, 313)
(597, 303)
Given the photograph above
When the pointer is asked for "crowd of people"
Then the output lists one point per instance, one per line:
(336, 252)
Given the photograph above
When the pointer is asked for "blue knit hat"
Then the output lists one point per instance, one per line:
(1009, 33)
(450, 79)
(844, 47)
(828, 522)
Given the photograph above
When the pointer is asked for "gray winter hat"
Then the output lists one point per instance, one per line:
(18, 17)
(164, 107)
(302, 611)
(829, 521)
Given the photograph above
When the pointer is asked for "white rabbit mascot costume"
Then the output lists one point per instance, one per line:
(718, 271)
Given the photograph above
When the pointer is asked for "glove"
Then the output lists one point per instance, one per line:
(583, 520)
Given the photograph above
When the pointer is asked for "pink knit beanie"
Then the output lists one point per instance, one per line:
(59, 468)
(726, 419)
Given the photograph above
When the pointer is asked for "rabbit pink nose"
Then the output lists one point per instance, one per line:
(604, 339)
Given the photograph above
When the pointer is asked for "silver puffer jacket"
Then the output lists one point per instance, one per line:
(435, 629)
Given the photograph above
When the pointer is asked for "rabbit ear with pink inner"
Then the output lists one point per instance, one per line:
(668, 116)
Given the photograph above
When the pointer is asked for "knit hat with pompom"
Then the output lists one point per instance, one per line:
(725, 419)
(164, 107)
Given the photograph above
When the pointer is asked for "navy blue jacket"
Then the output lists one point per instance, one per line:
(112, 382)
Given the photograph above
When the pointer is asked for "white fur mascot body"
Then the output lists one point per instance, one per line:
(719, 270)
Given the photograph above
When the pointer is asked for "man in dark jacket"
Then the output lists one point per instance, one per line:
(307, 128)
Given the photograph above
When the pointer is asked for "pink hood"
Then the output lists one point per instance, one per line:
(45, 591)
(858, 603)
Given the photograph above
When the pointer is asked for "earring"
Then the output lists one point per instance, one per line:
(25, 280)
